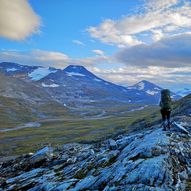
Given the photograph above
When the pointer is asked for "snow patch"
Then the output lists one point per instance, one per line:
(50, 85)
(151, 92)
(11, 69)
(75, 74)
(98, 80)
(141, 86)
(40, 73)
(131, 88)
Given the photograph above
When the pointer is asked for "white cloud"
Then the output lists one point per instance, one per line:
(36, 57)
(157, 18)
(109, 33)
(17, 19)
(49, 56)
(98, 52)
(78, 42)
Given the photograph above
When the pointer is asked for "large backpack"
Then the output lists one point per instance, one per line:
(166, 102)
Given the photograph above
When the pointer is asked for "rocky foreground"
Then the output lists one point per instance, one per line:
(148, 160)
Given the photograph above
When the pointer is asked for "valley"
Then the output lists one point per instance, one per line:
(48, 106)
(55, 131)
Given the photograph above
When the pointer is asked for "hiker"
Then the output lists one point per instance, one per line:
(166, 107)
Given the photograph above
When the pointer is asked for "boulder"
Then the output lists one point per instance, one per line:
(42, 155)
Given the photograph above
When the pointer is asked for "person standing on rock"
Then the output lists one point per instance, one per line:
(166, 108)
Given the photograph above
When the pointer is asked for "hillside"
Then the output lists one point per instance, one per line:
(183, 106)
(149, 159)
(22, 102)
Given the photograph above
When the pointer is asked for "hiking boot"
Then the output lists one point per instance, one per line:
(169, 126)
(163, 125)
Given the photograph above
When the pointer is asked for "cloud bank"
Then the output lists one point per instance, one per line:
(155, 20)
(17, 19)
(169, 52)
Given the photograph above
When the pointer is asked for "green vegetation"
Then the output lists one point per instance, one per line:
(71, 129)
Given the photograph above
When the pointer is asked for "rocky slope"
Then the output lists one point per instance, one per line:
(183, 106)
(150, 159)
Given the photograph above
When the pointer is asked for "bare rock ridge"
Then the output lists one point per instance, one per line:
(150, 159)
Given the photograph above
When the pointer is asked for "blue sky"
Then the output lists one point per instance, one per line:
(122, 41)
(65, 21)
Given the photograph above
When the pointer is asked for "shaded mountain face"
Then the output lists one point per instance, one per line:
(183, 106)
(75, 86)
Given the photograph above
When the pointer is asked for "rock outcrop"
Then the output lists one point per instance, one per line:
(151, 159)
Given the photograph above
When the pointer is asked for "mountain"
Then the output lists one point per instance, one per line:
(22, 102)
(184, 92)
(75, 86)
(150, 159)
(152, 89)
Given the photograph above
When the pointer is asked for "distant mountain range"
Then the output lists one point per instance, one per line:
(75, 86)
(184, 92)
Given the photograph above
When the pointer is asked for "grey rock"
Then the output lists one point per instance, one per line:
(112, 144)
(44, 154)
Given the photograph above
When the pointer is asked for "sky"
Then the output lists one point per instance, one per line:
(122, 41)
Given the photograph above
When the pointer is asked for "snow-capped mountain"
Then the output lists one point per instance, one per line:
(151, 89)
(146, 86)
(76, 86)
(184, 92)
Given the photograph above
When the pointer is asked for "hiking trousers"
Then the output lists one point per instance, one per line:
(165, 114)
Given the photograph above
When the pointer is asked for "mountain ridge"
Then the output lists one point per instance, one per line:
(75, 86)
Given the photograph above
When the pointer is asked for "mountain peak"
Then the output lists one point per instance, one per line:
(74, 68)
(144, 84)
(78, 70)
